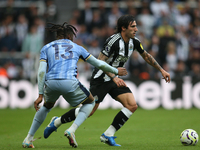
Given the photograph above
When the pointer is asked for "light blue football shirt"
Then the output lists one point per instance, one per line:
(62, 57)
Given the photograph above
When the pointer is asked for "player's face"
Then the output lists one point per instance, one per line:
(131, 30)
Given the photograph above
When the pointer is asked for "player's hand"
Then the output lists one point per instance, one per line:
(119, 82)
(166, 76)
(122, 71)
(37, 102)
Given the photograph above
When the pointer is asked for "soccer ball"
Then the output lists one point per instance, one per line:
(189, 137)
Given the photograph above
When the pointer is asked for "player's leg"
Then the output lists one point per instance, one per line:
(38, 119)
(129, 103)
(40, 115)
(83, 114)
(130, 106)
(99, 91)
(72, 114)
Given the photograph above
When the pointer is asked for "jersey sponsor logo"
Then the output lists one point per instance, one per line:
(122, 58)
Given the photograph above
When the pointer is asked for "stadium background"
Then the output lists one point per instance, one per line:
(171, 34)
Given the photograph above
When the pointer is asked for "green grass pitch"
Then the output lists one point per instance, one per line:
(158, 129)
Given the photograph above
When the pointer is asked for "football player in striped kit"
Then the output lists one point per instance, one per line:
(57, 75)
(116, 51)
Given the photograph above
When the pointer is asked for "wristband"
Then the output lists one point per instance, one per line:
(113, 77)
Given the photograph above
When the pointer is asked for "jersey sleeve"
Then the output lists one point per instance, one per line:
(138, 45)
(43, 55)
(84, 55)
(107, 48)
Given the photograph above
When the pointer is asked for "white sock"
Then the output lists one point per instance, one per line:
(77, 111)
(110, 131)
(73, 128)
(57, 122)
(29, 137)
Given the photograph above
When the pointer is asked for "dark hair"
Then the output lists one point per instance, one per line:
(124, 21)
(65, 30)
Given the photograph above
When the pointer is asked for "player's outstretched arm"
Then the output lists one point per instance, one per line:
(150, 60)
(105, 67)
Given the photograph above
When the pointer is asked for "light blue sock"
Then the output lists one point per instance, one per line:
(84, 112)
(38, 119)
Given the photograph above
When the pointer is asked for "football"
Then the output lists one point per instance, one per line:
(189, 137)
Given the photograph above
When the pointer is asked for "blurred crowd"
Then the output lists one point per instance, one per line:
(168, 29)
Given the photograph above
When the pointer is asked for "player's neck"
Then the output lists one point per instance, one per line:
(126, 39)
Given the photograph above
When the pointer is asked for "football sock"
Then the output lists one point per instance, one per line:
(73, 128)
(38, 119)
(29, 137)
(57, 122)
(110, 131)
(84, 112)
(68, 116)
(118, 121)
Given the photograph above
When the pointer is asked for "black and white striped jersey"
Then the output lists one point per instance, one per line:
(118, 52)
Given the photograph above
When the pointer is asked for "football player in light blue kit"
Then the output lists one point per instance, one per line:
(57, 75)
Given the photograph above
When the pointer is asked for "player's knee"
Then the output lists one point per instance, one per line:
(133, 108)
(48, 105)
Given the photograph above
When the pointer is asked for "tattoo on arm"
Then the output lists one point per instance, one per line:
(150, 60)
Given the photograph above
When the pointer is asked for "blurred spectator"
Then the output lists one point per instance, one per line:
(147, 21)
(194, 58)
(160, 9)
(182, 44)
(83, 35)
(195, 71)
(8, 43)
(50, 16)
(31, 13)
(40, 24)
(194, 39)
(51, 11)
(173, 12)
(96, 21)
(21, 29)
(171, 58)
(7, 35)
(7, 26)
(166, 33)
(94, 48)
(87, 14)
(183, 18)
(28, 66)
(181, 70)
(9, 10)
(33, 41)
(103, 11)
(196, 16)
(113, 15)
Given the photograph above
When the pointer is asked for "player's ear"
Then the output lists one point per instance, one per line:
(123, 28)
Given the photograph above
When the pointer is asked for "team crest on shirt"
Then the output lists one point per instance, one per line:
(131, 47)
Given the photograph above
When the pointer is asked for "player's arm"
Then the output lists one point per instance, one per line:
(150, 60)
(105, 67)
(118, 81)
(41, 80)
(105, 58)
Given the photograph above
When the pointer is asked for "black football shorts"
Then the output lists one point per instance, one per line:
(100, 89)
